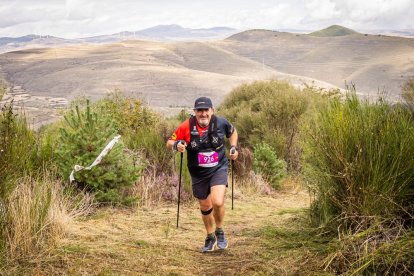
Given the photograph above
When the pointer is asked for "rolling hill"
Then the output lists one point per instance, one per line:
(158, 33)
(334, 30)
(371, 62)
(169, 75)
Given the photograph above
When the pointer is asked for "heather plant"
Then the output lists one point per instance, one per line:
(268, 165)
(81, 140)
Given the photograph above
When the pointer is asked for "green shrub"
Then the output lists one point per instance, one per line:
(81, 141)
(268, 111)
(127, 114)
(360, 167)
(360, 158)
(149, 141)
(268, 165)
(143, 130)
(18, 148)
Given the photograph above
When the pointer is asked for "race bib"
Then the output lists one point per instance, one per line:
(208, 159)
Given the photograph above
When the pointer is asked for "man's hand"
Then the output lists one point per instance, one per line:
(180, 145)
(234, 153)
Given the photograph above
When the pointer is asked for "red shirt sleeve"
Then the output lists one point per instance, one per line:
(182, 132)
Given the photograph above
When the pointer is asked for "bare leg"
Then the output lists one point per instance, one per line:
(217, 200)
(205, 205)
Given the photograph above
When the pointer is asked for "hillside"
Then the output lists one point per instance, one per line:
(371, 62)
(169, 75)
(334, 30)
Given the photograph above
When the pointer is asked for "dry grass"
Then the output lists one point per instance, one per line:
(146, 241)
(36, 217)
(152, 189)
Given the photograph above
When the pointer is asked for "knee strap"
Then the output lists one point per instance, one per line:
(205, 213)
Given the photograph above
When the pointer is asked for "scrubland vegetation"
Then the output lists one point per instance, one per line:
(2, 90)
(353, 157)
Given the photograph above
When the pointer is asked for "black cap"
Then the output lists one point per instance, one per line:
(203, 102)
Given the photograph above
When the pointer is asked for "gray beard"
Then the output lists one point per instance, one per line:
(202, 124)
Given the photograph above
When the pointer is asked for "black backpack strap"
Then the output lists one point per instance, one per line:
(215, 140)
(194, 135)
(212, 130)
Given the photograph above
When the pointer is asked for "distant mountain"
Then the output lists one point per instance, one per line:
(334, 30)
(259, 35)
(166, 33)
(8, 44)
(176, 32)
(7, 40)
(401, 33)
(160, 32)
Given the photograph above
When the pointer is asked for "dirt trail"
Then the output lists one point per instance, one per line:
(146, 241)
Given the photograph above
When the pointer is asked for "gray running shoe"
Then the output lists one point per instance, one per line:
(209, 245)
(221, 240)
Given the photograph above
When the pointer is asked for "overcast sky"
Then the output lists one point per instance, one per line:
(77, 18)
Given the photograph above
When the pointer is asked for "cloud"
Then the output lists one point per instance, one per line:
(397, 14)
(77, 18)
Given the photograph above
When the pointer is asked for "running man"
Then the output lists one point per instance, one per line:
(202, 136)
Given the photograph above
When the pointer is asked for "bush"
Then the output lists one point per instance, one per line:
(81, 141)
(360, 159)
(127, 114)
(143, 130)
(268, 165)
(243, 165)
(151, 144)
(18, 149)
(268, 112)
(359, 165)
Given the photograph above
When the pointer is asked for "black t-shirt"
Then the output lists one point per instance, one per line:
(224, 129)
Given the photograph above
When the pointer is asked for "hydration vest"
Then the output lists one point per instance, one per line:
(206, 143)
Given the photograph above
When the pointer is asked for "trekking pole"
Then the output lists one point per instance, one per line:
(232, 179)
(179, 186)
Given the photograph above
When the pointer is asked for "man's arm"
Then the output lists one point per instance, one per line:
(233, 139)
(170, 144)
(180, 147)
(178, 136)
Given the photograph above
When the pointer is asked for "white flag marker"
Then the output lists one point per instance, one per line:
(97, 160)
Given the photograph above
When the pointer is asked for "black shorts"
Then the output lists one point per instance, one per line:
(202, 185)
